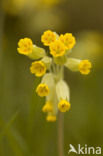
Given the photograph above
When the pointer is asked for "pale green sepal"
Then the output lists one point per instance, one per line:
(62, 90)
(53, 100)
(37, 53)
(47, 61)
(48, 79)
(60, 60)
(72, 64)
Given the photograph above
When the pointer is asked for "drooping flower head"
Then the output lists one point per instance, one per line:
(51, 65)
(25, 46)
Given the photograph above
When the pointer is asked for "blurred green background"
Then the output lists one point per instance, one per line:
(23, 129)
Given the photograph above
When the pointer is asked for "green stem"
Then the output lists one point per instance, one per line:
(60, 134)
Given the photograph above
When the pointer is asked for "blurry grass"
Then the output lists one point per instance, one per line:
(35, 102)
(6, 131)
(7, 126)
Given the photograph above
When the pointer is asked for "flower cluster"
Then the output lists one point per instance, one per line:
(50, 66)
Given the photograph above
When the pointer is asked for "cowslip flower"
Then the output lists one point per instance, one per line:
(42, 90)
(48, 107)
(83, 66)
(50, 66)
(46, 85)
(48, 37)
(63, 95)
(57, 48)
(51, 118)
(64, 105)
(38, 68)
(25, 46)
(68, 39)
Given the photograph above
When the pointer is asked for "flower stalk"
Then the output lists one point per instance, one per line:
(60, 131)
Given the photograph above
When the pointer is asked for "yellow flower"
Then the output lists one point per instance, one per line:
(68, 40)
(48, 37)
(38, 68)
(85, 66)
(25, 46)
(48, 107)
(42, 90)
(64, 105)
(57, 48)
(51, 118)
